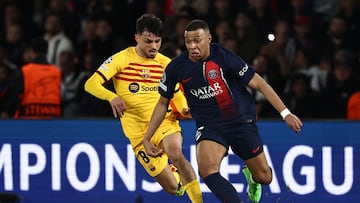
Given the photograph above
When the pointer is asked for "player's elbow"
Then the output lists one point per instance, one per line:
(90, 84)
(86, 86)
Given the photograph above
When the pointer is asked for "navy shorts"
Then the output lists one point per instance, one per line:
(244, 138)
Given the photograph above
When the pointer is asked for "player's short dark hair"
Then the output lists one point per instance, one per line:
(39, 45)
(197, 24)
(150, 23)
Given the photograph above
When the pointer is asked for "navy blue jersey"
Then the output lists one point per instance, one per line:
(215, 89)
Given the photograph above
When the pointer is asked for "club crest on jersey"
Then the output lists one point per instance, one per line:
(134, 87)
(213, 74)
(145, 73)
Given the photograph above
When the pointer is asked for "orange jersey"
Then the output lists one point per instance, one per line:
(41, 97)
(353, 107)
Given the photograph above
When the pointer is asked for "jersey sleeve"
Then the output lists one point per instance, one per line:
(104, 73)
(94, 86)
(111, 66)
(168, 82)
(239, 67)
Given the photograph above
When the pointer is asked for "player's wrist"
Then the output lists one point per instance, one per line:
(285, 113)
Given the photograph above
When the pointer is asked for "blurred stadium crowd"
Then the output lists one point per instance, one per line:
(308, 50)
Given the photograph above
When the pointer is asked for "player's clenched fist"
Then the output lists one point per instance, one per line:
(151, 149)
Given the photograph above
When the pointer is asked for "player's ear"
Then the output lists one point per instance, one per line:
(209, 37)
(137, 37)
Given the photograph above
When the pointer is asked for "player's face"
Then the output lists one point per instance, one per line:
(148, 44)
(197, 43)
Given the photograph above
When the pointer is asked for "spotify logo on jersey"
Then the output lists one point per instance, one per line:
(134, 87)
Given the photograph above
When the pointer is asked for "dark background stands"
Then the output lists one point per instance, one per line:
(321, 43)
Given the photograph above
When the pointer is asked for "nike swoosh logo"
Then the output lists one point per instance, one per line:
(255, 150)
(186, 80)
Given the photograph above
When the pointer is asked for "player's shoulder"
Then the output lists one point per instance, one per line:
(220, 49)
(122, 55)
(162, 58)
(180, 59)
(130, 51)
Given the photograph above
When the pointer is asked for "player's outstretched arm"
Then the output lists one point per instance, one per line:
(156, 119)
(258, 83)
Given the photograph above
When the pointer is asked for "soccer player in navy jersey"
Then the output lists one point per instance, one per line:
(215, 82)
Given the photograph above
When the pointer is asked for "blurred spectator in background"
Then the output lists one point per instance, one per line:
(106, 42)
(350, 10)
(6, 80)
(170, 50)
(15, 43)
(301, 12)
(200, 7)
(36, 92)
(70, 20)
(282, 48)
(262, 17)
(303, 34)
(156, 7)
(14, 12)
(338, 37)
(327, 8)
(268, 70)
(232, 44)
(84, 46)
(304, 64)
(72, 84)
(223, 30)
(5, 60)
(173, 23)
(341, 84)
(118, 13)
(221, 10)
(296, 9)
(249, 42)
(325, 67)
(57, 40)
(177, 35)
(301, 99)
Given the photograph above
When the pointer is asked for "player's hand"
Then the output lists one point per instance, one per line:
(151, 149)
(294, 122)
(186, 113)
(118, 107)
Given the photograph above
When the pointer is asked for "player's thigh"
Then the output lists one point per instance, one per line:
(172, 144)
(167, 128)
(259, 168)
(245, 141)
(209, 155)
